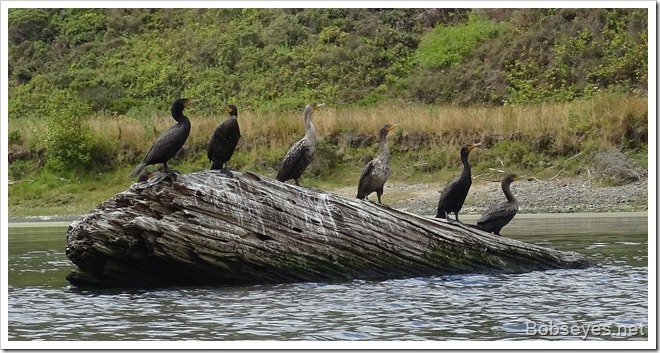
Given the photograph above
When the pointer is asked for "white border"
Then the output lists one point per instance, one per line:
(523, 344)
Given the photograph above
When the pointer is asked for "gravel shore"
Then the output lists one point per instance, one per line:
(568, 195)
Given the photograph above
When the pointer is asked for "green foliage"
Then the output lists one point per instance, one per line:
(445, 46)
(604, 49)
(124, 60)
(66, 65)
(14, 137)
(69, 141)
(83, 25)
(32, 25)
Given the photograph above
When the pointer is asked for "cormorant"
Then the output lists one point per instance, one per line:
(499, 215)
(376, 172)
(300, 154)
(170, 141)
(224, 140)
(454, 194)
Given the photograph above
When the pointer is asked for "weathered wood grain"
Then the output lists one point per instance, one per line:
(207, 228)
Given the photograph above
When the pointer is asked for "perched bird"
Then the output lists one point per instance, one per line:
(377, 170)
(170, 141)
(300, 154)
(454, 194)
(499, 215)
(224, 140)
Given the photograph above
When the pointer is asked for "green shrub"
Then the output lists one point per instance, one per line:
(449, 45)
(31, 25)
(70, 142)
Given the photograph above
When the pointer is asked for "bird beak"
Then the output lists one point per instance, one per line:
(394, 126)
(319, 106)
(475, 145)
(191, 101)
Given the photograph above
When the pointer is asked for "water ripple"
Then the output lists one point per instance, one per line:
(457, 307)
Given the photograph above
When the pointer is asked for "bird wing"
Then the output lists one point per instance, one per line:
(499, 210)
(294, 159)
(163, 146)
(366, 172)
(446, 192)
(225, 136)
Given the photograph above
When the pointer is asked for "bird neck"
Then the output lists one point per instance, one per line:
(507, 191)
(310, 130)
(177, 114)
(467, 172)
(384, 148)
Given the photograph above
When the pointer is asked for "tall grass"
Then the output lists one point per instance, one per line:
(604, 119)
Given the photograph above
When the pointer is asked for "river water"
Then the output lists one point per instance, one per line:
(551, 305)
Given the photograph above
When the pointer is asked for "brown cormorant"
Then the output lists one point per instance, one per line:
(300, 154)
(454, 194)
(376, 172)
(224, 140)
(170, 141)
(499, 215)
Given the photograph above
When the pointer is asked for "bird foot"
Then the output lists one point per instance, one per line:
(172, 174)
(227, 172)
(153, 178)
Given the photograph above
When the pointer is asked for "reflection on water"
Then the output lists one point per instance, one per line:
(460, 307)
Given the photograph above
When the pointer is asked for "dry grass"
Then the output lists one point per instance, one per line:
(607, 115)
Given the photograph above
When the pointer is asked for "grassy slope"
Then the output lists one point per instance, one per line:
(113, 72)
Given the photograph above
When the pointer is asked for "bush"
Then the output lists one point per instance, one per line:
(31, 25)
(449, 45)
(70, 142)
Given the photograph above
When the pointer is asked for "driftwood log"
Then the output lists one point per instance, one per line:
(209, 228)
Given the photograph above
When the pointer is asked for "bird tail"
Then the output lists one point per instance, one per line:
(137, 169)
(280, 176)
(360, 194)
(475, 226)
(216, 166)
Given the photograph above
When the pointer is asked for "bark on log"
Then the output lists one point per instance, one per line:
(207, 228)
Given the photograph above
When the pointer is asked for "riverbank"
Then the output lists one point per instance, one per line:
(567, 195)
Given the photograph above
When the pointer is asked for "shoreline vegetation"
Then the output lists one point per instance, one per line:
(553, 94)
(543, 141)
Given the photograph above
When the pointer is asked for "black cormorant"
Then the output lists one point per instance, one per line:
(224, 140)
(454, 194)
(300, 154)
(376, 172)
(170, 141)
(499, 215)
